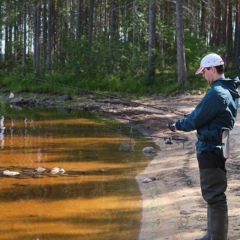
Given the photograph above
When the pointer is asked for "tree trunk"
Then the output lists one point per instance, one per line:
(50, 33)
(1, 37)
(112, 33)
(79, 18)
(133, 35)
(218, 23)
(90, 31)
(44, 35)
(151, 42)
(24, 37)
(237, 35)
(203, 20)
(180, 44)
(229, 41)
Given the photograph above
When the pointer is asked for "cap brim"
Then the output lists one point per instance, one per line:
(199, 70)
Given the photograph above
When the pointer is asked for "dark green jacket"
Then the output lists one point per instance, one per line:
(216, 111)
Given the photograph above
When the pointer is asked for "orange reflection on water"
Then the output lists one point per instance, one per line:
(96, 198)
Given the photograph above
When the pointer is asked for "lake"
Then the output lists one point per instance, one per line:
(67, 175)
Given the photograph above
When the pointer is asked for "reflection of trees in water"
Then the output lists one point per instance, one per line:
(127, 145)
(2, 129)
(40, 190)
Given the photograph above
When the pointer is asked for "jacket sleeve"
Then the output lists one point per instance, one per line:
(204, 112)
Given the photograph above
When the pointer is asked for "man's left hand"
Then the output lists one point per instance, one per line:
(172, 126)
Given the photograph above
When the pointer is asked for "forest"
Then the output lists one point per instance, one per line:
(109, 42)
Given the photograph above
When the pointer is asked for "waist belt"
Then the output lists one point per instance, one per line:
(225, 143)
(212, 142)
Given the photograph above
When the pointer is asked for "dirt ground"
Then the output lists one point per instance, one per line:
(173, 207)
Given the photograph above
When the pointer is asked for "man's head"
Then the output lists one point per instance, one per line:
(210, 60)
(212, 67)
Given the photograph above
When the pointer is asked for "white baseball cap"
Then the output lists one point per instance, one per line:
(210, 60)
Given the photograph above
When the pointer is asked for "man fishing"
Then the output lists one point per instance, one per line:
(213, 118)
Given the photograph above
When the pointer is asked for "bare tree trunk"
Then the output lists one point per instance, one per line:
(203, 19)
(36, 37)
(44, 35)
(79, 18)
(229, 39)
(112, 32)
(7, 40)
(181, 62)
(90, 31)
(105, 16)
(151, 41)
(50, 33)
(237, 34)
(133, 35)
(225, 22)
(24, 37)
(218, 19)
(1, 38)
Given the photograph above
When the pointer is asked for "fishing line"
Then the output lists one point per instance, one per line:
(84, 91)
(167, 139)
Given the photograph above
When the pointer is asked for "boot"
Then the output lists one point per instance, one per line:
(219, 224)
(205, 237)
(207, 234)
(213, 185)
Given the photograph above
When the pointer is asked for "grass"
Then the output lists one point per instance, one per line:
(130, 86)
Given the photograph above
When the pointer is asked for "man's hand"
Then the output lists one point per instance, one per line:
(171, 126)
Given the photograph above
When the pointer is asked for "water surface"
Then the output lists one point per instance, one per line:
(96, 197)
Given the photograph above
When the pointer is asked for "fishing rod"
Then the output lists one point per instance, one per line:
(169, 139)
(116, 97)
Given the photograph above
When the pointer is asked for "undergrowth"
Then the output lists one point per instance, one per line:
(130, 86)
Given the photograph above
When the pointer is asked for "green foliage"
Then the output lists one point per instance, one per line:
(120, 67)
(2, 106)
(165, 84)
(195, 49)
(116, 59)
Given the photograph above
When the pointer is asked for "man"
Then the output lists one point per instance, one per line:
(213, 117)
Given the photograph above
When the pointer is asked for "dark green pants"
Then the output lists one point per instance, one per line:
(213, 179)
(213, 182)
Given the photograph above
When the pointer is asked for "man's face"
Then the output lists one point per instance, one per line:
(207, 73)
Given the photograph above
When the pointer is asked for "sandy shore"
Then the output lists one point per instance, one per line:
(173, 207)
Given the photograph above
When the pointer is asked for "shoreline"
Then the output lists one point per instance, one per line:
(162, 202)
(145, 202)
